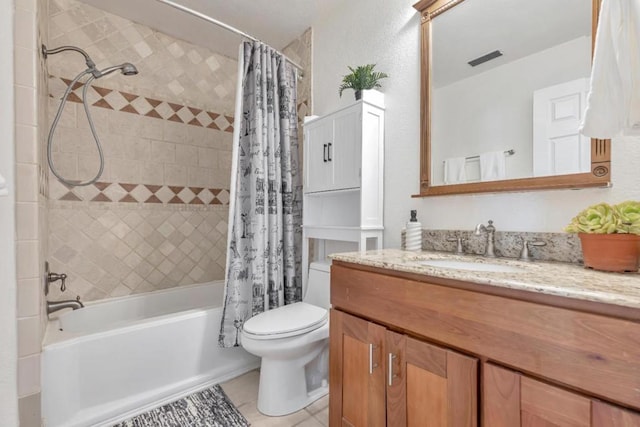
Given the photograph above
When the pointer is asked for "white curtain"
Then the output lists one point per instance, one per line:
(265, 216)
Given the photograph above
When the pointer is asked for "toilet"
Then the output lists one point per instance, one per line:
(293, 342)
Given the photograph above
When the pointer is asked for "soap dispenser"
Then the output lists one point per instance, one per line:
(413, 234)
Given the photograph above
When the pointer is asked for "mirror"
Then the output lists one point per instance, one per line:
(516, 111)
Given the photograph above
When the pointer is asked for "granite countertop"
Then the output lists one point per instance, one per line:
(559, 279)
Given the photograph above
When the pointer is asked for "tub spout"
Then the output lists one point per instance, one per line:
(53, 306)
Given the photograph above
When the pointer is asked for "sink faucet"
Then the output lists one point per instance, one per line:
(53, 306)
(490, 230)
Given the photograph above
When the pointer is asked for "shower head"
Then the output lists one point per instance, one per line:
(127, 69)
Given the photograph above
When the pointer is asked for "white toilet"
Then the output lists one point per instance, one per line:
(293, 342)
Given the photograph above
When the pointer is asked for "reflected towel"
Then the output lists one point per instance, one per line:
(613, 106)
(4, 191)
(454, 172)
(492, 166)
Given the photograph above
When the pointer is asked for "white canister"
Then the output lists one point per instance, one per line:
(413, 234)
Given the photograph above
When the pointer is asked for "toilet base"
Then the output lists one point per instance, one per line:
(284, 385)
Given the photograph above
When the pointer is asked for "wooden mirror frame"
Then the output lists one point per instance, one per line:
(600, 175)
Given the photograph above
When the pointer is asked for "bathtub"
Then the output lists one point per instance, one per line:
(116, 358)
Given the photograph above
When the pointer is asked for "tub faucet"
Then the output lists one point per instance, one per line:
(53, 306)
(490, 230)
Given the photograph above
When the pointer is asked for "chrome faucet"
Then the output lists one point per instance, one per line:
(53, 306)
(490, 230)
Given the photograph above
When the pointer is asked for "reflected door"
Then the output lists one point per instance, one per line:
(558, 146)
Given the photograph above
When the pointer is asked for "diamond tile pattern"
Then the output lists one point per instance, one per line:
(168, 68)
(123, 250)
(143, 106)
(140, 193)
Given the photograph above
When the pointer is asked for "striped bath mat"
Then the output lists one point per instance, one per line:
(207, 408)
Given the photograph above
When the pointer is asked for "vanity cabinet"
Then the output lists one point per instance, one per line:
(388, 378)
(410, 349)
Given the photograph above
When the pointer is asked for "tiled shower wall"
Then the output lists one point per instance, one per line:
(157, 217)
(31, 198)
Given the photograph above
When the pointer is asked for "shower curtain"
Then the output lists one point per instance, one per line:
(265, 213)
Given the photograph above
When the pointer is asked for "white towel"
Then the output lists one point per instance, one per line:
(613, 106)
(454, 172)
(492, 166)
(4, 191)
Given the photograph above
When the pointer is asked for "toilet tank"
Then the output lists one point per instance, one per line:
(318, 285)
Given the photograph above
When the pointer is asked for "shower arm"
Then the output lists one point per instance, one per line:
(90, 64)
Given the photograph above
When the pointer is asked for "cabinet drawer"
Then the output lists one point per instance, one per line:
(592, 353)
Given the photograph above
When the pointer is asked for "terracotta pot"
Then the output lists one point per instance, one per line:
(611, 252)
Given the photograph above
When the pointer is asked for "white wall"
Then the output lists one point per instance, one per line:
(8, 340)
(493, 110)
(386, 32)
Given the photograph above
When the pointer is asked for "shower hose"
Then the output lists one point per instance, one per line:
(73, 183)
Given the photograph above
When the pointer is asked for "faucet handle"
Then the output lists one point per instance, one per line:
(525, 255)
(54, 277)
(458, 240)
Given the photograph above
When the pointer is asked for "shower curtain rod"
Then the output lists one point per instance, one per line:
(223, 25)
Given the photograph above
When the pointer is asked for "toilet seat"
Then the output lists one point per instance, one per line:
(287, 321)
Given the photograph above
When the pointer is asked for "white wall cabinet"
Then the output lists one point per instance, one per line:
(343, 178)
(332, 143)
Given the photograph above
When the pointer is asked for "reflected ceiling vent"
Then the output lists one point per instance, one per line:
(484, 58)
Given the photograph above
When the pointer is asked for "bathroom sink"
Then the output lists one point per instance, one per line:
(471, 266)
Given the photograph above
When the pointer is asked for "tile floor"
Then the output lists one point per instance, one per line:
(243, 392)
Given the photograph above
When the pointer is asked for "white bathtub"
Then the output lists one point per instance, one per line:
(116, 358)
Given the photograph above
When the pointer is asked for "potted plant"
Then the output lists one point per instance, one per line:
(362, 78)
(609, 236)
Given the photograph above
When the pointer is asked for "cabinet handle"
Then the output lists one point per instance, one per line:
(324, 153)
(391, 376)
(371, 364)
(329, 151)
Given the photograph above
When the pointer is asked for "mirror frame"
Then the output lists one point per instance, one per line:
(600, 175)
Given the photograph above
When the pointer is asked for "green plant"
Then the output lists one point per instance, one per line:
(623, 218)
(363, 77)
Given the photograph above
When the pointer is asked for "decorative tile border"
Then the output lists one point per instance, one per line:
(142, 193)
(143, 106)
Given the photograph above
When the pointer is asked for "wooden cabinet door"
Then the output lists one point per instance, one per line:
(356, 372)
(606, 415)
(429, 386)
(513, 400)
(510, 399)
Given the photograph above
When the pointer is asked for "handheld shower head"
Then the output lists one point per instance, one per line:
(127, 69)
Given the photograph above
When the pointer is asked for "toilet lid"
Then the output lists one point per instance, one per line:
(285, 321)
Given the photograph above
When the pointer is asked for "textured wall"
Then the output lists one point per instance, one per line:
(157, 217)
(386, 32)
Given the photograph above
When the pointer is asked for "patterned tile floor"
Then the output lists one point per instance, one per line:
(243, 392)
